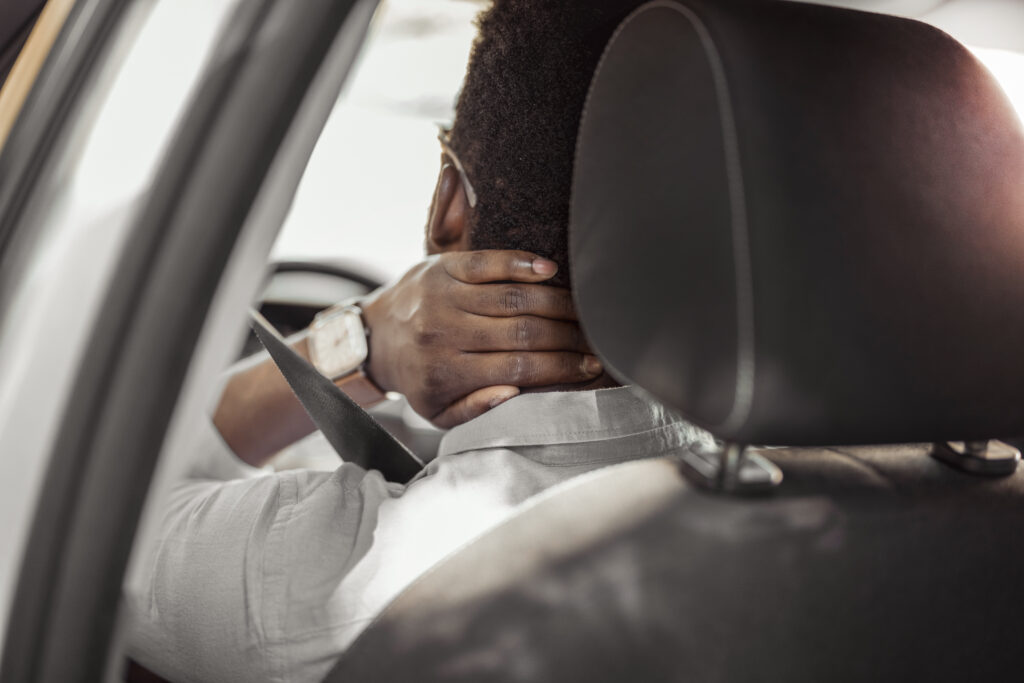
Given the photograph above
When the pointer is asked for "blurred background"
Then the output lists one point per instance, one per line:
(373, 170)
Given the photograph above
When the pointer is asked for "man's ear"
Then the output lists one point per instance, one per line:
(448, 226)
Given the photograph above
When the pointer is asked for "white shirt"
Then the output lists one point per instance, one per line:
(270, 577)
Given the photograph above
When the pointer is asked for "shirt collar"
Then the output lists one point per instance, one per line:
(550, 418)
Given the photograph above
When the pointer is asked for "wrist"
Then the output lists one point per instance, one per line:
(376, 361)
(301, 344)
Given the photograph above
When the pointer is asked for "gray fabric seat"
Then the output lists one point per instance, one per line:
(867, 564)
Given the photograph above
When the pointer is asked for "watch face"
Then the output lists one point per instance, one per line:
(337, 343)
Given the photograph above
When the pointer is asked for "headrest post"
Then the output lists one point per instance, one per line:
(729, 468)
(977, 448)
(730, 463)
(984, 458)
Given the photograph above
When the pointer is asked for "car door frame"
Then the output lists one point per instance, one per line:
(268, 68)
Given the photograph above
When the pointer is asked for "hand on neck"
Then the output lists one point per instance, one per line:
(602, 381)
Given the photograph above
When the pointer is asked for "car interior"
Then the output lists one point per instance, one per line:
(800, 226)
(798, 295)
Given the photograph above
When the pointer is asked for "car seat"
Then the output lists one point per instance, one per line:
(802, 227)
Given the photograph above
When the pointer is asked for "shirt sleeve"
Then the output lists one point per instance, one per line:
(243, 567)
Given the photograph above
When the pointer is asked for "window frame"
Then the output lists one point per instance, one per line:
(278, 68)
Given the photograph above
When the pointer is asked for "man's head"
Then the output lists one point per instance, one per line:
(515, 127)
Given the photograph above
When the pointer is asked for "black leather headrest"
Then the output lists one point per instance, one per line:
(803, 225)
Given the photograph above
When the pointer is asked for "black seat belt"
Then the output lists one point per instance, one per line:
(355, 436)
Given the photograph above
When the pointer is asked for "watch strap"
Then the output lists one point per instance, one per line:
(360, 388)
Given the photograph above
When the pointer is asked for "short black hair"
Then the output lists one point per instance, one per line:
(517, 117)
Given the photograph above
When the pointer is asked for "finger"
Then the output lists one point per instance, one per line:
(474, 405)
(507, 300)
(521, 333)
(491, 265)
(532, 368)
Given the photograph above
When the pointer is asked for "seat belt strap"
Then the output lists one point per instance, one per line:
(355, 436)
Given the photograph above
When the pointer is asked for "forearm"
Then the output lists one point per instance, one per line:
(457, 335)
(258, 414)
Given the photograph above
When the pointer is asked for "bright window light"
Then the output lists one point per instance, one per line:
(1008, 69)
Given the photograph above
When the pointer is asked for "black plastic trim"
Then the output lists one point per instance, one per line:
(57, 88)
(14, 34)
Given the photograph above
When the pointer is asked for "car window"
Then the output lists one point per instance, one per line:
(364, 197)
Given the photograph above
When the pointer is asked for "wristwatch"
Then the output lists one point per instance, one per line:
(339, 347)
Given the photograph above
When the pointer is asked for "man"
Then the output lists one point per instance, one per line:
(272, 577)
(459, 334)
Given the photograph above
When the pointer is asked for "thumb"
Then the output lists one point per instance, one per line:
(474, 405)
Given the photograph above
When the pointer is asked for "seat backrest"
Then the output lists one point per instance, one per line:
(868, 564)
